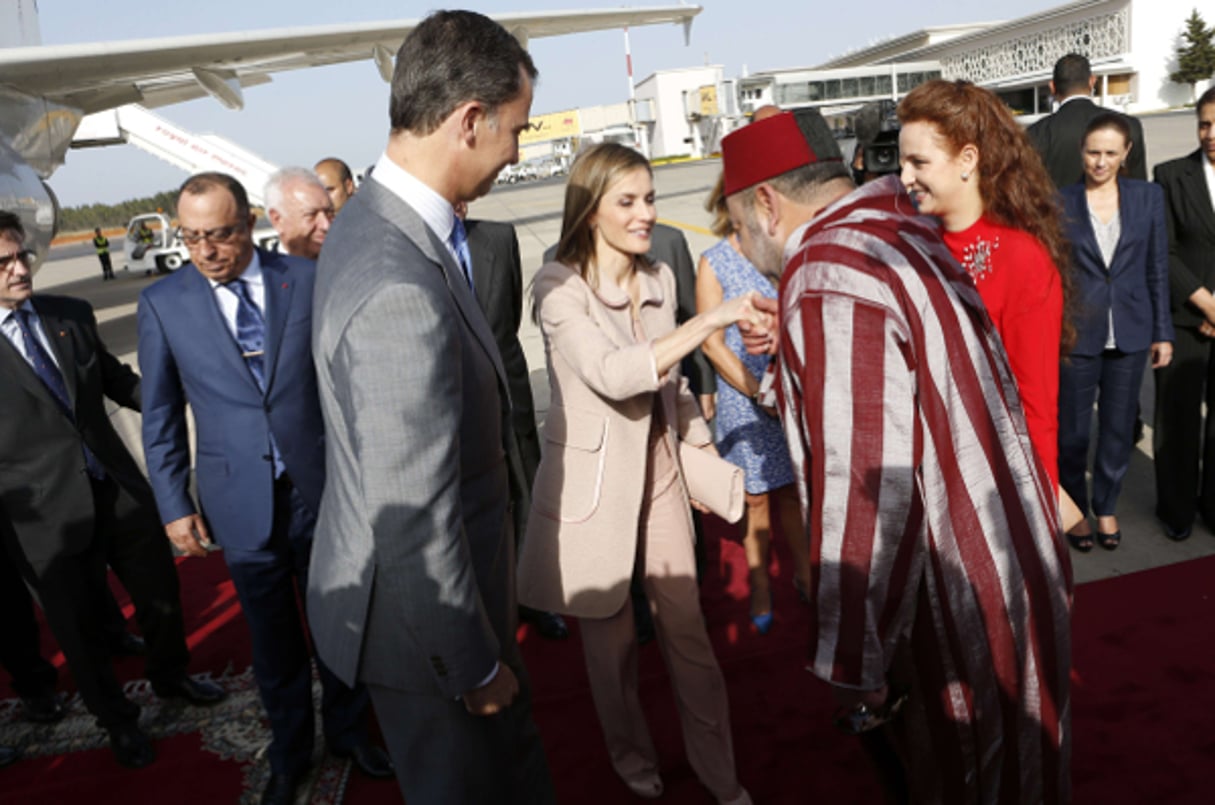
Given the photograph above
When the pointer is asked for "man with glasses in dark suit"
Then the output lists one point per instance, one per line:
(72, 498)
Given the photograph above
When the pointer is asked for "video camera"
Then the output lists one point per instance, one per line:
(877, 139)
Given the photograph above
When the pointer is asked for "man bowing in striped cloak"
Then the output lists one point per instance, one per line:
(940, 584)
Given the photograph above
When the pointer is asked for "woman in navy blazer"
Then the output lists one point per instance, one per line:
(1120, 267)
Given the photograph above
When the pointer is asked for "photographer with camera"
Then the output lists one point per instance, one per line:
(877, 142)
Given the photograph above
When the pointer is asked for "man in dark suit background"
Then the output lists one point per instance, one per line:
(1057, 136)
(1184, 447)
(72, 499)
(412, 585)
(230, 335)
(668, 245)
(498, 285)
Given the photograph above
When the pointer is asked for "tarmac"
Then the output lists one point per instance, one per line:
(535, 210)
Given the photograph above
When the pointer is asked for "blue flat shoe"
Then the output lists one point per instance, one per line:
(762, 623)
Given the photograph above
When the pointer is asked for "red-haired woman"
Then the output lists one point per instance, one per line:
(967, 161)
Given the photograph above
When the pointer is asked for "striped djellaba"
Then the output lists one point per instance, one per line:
(938, 563)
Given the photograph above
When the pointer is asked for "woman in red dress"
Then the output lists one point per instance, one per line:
(966, 161)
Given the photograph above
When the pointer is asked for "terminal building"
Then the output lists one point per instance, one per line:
(1131, 44)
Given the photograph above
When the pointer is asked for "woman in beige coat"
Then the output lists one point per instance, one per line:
(609, 499)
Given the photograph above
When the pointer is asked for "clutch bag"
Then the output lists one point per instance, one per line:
(713, 481)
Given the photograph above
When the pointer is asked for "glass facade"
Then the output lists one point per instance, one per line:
(858, 88)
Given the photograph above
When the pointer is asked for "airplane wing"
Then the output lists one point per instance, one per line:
(156, 72)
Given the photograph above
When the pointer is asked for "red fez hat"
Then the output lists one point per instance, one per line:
(767, 148)
(763, 150)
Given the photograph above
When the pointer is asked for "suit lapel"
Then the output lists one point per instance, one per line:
(278, 290)
(466, 302)
(414, 228)
(1200, 194)
(60, 339)
(483, 269)
(208, 319)
(1128, 216)
(1088, 236)
(16, 367)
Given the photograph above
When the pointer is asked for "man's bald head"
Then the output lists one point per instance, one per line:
(335, 175)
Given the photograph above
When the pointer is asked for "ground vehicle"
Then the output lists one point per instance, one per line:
(152, 243)
(159, 247)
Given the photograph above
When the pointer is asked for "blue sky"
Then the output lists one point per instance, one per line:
(342, 110)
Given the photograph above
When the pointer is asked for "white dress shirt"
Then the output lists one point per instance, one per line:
(436, 212)
(1107, 234)
(12, 331)
(1209, 170)
(226, 297)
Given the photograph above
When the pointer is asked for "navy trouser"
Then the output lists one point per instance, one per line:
(1112, 380)
(270, 583)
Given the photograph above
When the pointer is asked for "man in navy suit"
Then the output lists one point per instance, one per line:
(230, 335)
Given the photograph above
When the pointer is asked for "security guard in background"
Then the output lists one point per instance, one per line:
(102, 244)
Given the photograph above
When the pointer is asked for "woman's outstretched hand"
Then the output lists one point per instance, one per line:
(761, 332)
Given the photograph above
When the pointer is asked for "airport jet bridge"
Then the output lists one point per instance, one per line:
(192, 153)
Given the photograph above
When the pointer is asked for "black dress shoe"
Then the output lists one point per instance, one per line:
(280, 789)
(550, 625)
(193, 691)
(369, 759)
(43, 708)
(9, 756)
(1177, 534)
(129, 645)
(132, 747)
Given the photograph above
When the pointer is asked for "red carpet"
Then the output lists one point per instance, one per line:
(1143, 699)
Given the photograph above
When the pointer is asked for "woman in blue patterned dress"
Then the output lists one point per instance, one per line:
(747, 434)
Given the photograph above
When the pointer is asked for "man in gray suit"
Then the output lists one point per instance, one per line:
(411, 589)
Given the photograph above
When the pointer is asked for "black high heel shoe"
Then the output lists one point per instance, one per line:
(1081, 542)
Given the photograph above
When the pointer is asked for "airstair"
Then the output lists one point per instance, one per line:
(191, 152)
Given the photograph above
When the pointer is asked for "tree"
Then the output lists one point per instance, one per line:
(1196, 58)
(84, 218)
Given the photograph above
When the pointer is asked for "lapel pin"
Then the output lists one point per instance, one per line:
(63, 333)
(284, 286)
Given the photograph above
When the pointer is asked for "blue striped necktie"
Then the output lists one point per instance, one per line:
(251, 338)
(52, 378)
(250, 331)
(459, 244)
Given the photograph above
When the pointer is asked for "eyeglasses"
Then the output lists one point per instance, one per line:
(221, 235)
(27, 256)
